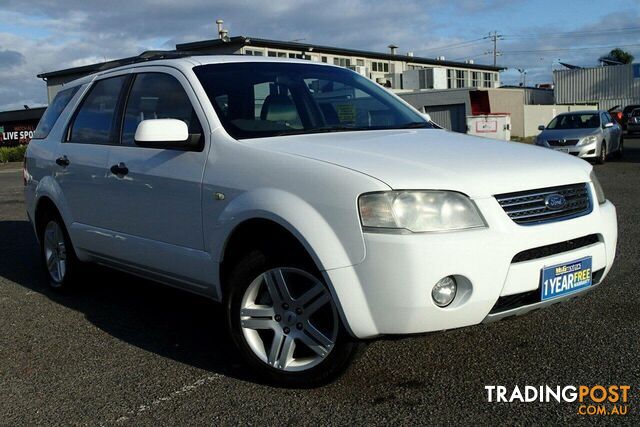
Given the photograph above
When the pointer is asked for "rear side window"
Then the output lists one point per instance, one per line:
(157, 96)
(52, 112)
(94, 120)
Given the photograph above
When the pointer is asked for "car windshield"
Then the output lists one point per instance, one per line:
(575, 121)
(261, 99)
(635, 113)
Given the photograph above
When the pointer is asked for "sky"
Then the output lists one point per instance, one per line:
(44, 35)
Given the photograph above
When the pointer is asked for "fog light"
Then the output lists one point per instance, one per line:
(444, 291)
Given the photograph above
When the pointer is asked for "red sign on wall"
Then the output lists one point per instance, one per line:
(16, 134)
(488, 126)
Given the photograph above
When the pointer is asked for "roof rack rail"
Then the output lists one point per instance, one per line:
(149, 55)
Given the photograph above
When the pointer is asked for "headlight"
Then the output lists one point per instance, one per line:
(598, 188)
(419, 211)
(588, 140)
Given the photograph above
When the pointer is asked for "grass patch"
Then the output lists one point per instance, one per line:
(12, 154)
(525, 140)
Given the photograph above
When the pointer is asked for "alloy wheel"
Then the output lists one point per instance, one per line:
(288, 319)
(55, 251)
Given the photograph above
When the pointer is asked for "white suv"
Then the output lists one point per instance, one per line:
(321, 209)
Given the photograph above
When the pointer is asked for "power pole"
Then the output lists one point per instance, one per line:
(494, 36)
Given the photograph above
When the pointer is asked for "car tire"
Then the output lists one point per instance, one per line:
(279, 338)
(602, 155)
(61, 266)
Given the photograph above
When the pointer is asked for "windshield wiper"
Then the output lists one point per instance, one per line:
(323, 129)
(327, 129)
(415, 125)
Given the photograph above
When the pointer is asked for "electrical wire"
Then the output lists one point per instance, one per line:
(562, 49)
(573, 33)
(453, 46)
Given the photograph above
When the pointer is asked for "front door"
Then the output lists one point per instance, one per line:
(157, 207)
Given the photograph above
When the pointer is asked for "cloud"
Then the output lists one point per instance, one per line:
(538, 49)
(47, 36)
(10, 58)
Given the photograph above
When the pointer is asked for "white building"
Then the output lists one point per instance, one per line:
(394, 70)
(400, 71)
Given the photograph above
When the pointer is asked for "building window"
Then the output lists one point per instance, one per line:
(324, 59)
(343, 62)
(450, 81)
(475, 78)
(487, 79)
(379, 66)
(272, 53)
(461, 77)
(253, 52)
(360, 62)
(299, 56)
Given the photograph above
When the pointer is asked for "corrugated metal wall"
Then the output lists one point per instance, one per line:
(538, 96)
(608, 86)
(450, 117)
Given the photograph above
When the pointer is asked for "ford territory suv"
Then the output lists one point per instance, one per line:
(318, 207)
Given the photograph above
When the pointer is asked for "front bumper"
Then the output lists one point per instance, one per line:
(390, 291)
(587, 151)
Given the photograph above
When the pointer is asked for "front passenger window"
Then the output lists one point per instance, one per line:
(157, 96)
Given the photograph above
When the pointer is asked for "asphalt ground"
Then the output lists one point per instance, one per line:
(122, 350)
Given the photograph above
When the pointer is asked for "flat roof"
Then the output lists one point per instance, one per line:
(259, 42)
(307, 47)
(21, 115)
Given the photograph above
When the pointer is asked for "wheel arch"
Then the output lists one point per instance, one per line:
(48, 191)
(44, 204)
(259, 233)
(332, 241)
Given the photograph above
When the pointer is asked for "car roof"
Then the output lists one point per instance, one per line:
(630, 107)
(582, 112)
(188, 62)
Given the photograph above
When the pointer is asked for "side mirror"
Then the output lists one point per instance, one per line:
(608, 125)
(163, 133)
(427, 117)
(541, 127)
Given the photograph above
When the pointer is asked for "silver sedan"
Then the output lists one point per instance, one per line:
(590, 135)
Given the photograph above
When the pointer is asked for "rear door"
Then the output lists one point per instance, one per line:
(612, 134)
(81, 159)
(156, 207)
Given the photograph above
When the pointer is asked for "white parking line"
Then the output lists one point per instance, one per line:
(10, 170)
(171, 396)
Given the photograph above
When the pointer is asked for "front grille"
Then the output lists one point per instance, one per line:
(555, 248)
(510, 302)
(530, 207)
(562, 142)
